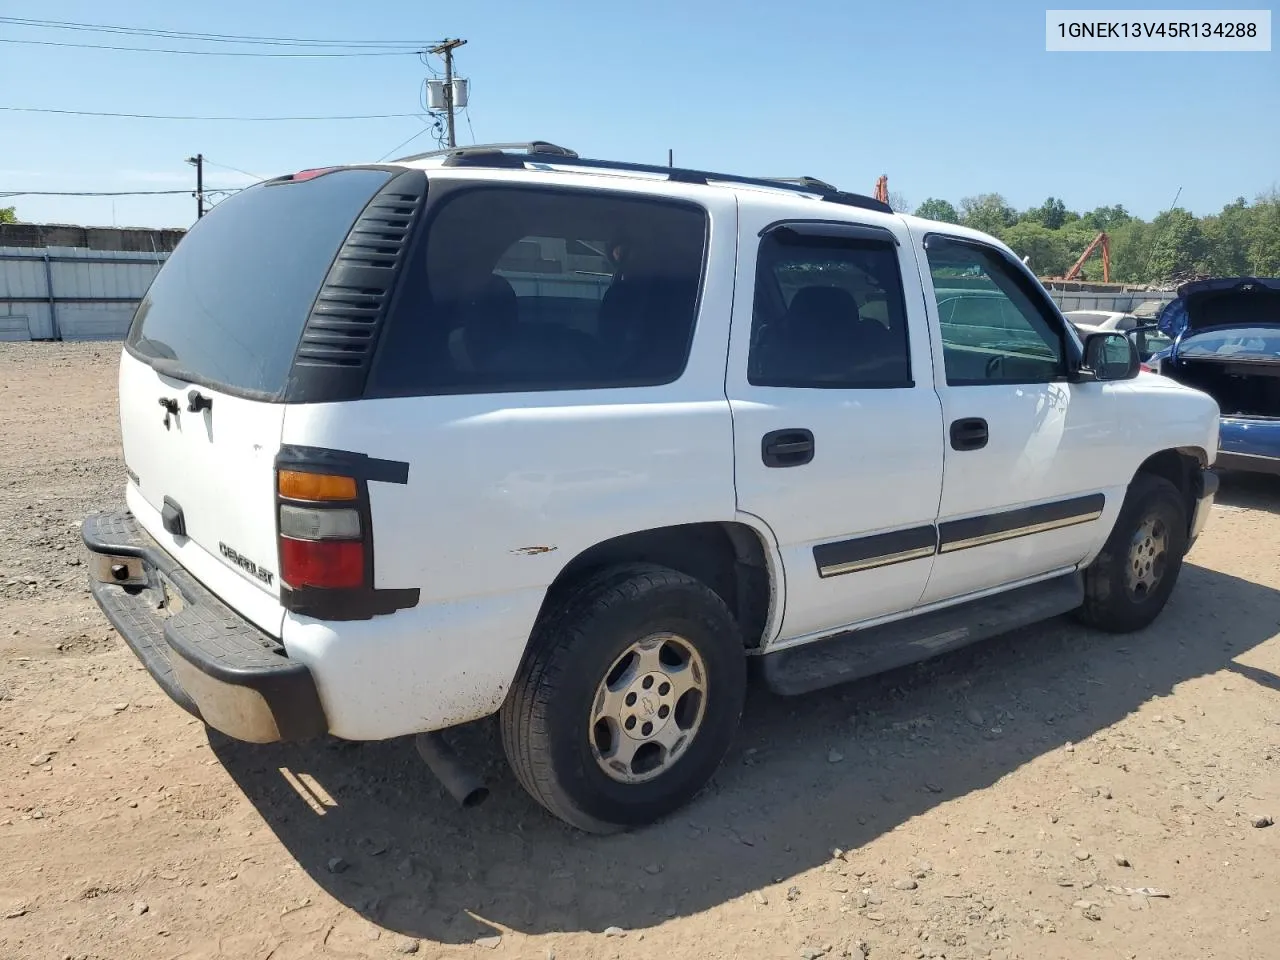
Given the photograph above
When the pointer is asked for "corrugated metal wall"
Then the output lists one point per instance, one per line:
(1117, 302)
(70, 293)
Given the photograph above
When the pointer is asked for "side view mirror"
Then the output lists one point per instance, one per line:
(1110, 356)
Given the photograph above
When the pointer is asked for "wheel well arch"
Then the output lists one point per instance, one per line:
(731, 558)
(1181, 467)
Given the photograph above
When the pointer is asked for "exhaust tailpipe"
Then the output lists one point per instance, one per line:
(463, 785)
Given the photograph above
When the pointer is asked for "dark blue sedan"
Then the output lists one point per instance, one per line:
(1226, 342)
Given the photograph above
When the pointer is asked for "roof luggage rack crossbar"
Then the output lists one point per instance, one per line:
(531, 146)
(540, 152)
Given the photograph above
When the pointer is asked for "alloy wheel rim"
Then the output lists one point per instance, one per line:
(1148, 557)
(648, 708)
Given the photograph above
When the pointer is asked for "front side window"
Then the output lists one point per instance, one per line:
(532, 289)
(993, 330)
(829, 313)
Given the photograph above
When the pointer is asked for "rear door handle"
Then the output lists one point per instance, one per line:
(787, 448)
(969, 433)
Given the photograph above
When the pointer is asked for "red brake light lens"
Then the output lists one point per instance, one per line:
(303, 175)
(321, 563)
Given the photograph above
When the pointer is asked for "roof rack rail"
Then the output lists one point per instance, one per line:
(812, 182)
(540, 152)
(531, 146)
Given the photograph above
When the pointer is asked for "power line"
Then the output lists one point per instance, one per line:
(110, 193)
(407, 51)
(204, 37)
(156, 116)
(227, 166)
(404, 143)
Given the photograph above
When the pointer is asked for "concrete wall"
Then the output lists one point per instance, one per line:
(123, 239)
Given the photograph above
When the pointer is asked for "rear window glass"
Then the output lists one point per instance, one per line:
(229, 305)
(1249, 342)
(525, 288)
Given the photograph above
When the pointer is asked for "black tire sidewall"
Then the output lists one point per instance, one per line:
(1148, 496)
(684, 607)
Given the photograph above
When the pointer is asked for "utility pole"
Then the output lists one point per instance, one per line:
(198, 162)
(446, 50)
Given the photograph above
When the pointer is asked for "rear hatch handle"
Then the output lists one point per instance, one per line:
(197, 401)
(170, 409)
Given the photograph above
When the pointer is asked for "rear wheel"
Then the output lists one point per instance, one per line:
(1129, 583)
(628, 699)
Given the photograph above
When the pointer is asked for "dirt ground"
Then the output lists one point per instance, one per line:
(1054, 793)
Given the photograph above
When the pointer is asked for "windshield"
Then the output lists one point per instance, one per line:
(1254, 342)
(229, 305)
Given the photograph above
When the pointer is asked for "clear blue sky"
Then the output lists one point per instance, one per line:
(948, 99)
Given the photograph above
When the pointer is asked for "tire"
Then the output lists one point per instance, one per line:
(1119, 595)
(559, 748)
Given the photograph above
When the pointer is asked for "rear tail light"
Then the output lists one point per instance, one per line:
(296, 485)
(324, 542)
(303, 523)
(321, 563)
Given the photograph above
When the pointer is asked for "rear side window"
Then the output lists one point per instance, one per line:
(829, 313)
(540, 289)
(229, 305)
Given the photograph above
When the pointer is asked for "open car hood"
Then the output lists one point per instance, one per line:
(1220, 303)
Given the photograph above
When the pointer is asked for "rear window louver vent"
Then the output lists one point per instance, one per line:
(342, 330)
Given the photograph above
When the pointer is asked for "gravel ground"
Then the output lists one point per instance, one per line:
(1053, 793)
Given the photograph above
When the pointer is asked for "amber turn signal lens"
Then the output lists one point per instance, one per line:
(316, 486)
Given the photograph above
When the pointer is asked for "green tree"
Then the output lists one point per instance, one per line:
(935, 209)
(1046, 248)
(1130, 251)
(1106, 218)
(1051, 214)
(1227, 240)
(7, 215)
(1263, 232)
(988, 212)
(1178, 246)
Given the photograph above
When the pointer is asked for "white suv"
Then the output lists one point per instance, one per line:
(504, 430)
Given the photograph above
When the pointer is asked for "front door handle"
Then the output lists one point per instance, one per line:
(787, 448)
(969, 433)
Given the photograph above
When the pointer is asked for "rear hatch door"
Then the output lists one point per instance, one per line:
(206, 371)
(1219, 303)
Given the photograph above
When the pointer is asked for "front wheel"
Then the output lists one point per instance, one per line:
(1129, 583)
(628, 699)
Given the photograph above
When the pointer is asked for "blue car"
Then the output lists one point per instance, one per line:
(1226, 342)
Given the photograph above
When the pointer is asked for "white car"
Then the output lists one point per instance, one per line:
(504, 430)
(1148, 341)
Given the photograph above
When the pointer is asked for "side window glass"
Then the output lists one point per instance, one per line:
(531, 289)
(993, 331)
(829, 313)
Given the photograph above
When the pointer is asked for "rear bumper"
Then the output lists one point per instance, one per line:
(1248, 462)
(205, 656)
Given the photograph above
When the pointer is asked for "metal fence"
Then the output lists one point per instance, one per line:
(1144, 302)
(70, 293)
